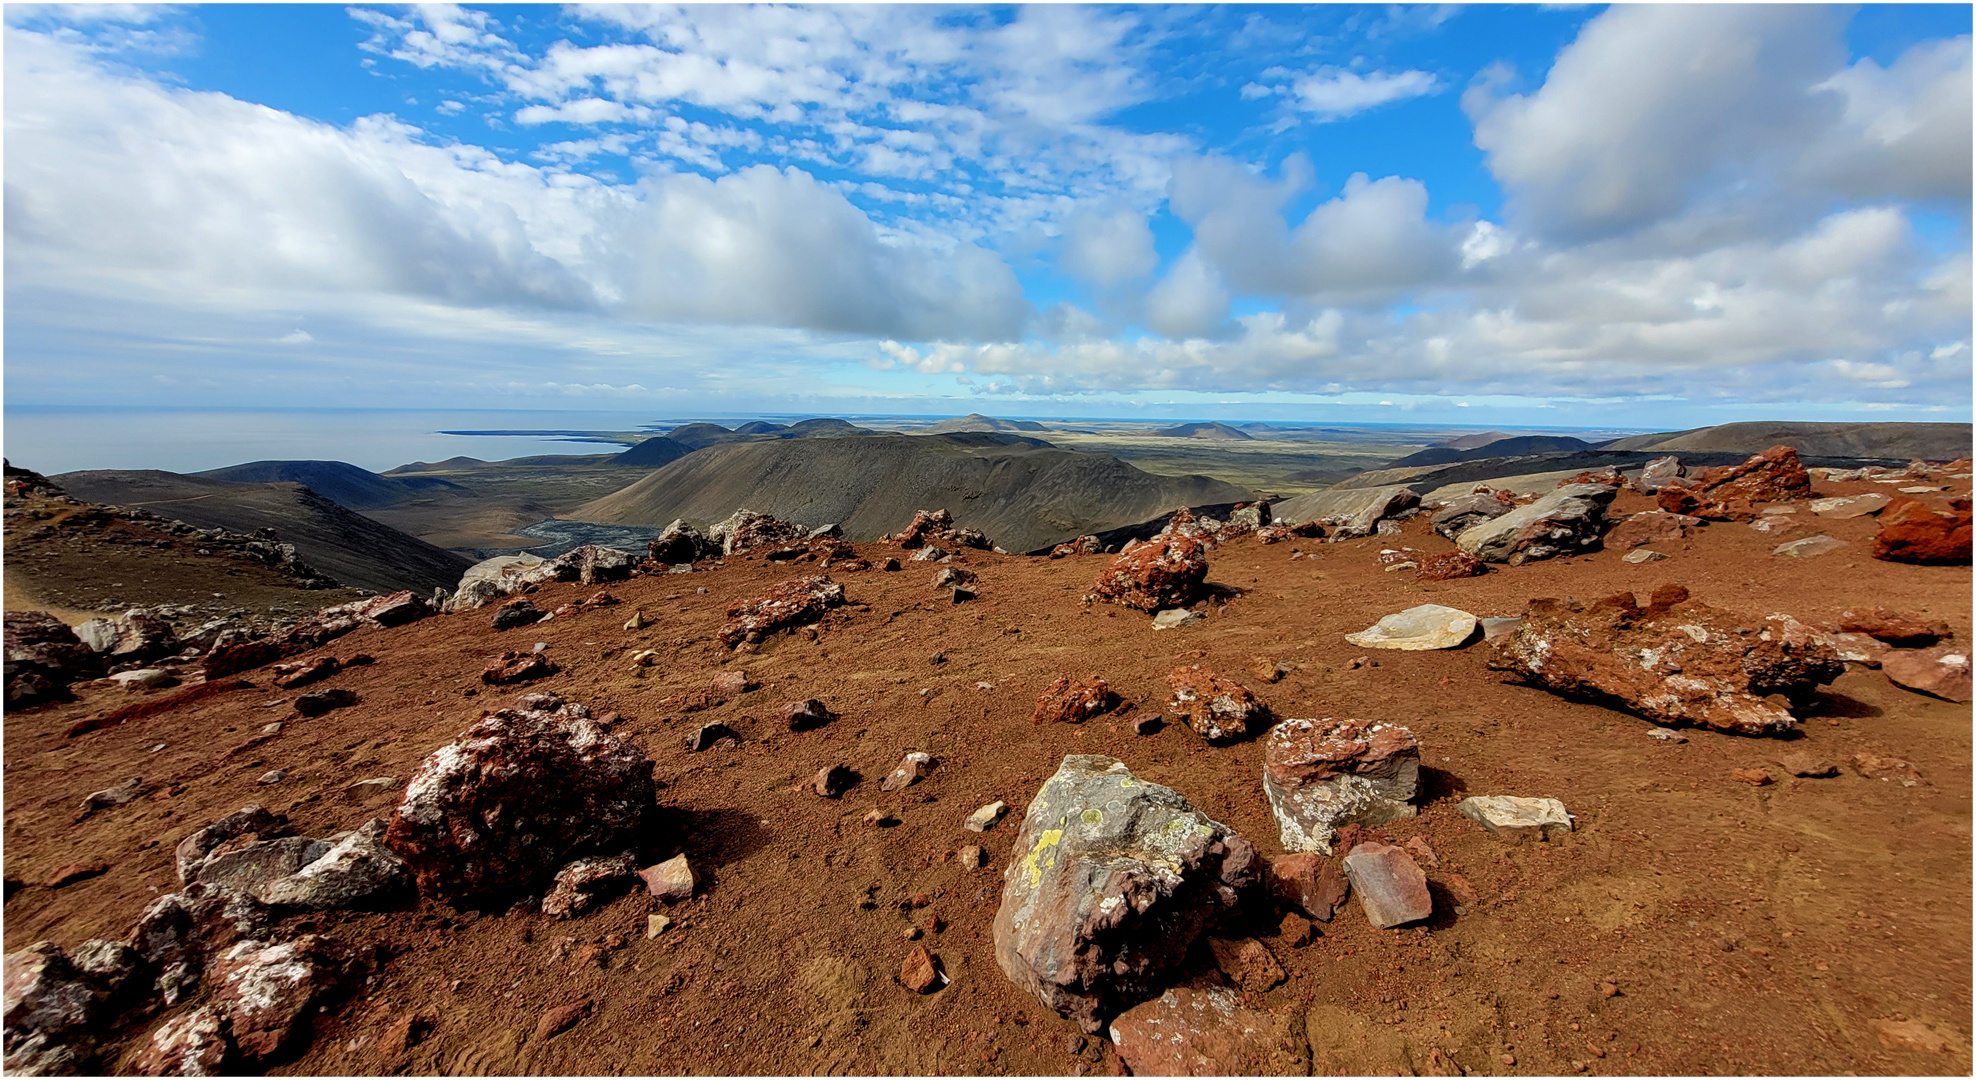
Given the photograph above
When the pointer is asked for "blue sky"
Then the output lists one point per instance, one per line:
(1643, 216)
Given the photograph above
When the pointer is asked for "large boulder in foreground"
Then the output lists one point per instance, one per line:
(1109, 883)
(518, 796)
(1911, 532)
(1161, 573)
(1731, 492)
(1674, 661)
(1321, 774)
(1564, 522)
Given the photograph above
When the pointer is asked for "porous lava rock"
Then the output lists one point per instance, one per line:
(1650, 527)
(1219, 710)
(265, 991)
(1157, 574)
(586, 883)
(1110, 881)
(681, 543)
(1319, 775)
(50, 1008)
(1730, 492)
(517, 797)
(789, 603)
(1675, 661)
(935, 527)
(1083, 545)
(191, 1044)
(746, 529)
(1450, 565)
(1070, 702)
(517, 667)
(1911, 532)
(1564, 522)
(1203, 1030)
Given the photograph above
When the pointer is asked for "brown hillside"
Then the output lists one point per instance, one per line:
(1022, 493)
(1929, 442)
(1691, 924)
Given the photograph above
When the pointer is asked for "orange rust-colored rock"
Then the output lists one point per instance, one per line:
(1911, 532)
(1731, 491)
(1160, 573)
(1070, 702)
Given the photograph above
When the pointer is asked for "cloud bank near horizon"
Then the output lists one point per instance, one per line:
(693, 204)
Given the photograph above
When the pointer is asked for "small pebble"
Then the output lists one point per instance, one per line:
(274, 777)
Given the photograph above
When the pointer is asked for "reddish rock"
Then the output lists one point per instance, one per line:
(407, 1031)
(1896, 628)
(1731, 491)
(265, 991)
(920, 973)
(1074, 702)
(1911, 532)
(1307, 882)
(518, 796)
(560, 1019)
(1156, 574)
(233, 657)
(1651, 527)
(1320, 775)
(806, 714)
(396, 609)
(1942, 671)
(1449, 565)
(586, 883)
(1886, 767)
(1207, 1031)
(832, 781)
(320, 702)
(517, 667)
(1083, 545)
(1391, 889)
(192, 1044)
(672, 881)
(1218, 709)
(1804, 763)
(1752, 777)
(937, 527)
(1676, 661)
(1248, 963)
(1294, 930)
(303, 672)
(912, 768)
(74, 872)
(732, 684)
(790, 603)
(1109, 882)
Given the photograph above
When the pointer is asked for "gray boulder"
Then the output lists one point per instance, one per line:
(1659, 473)
(681, 543)
(1566, 521)
(1109, 883)
(358, 870)
(1356, 511)
(1462, 512)
(193, 851)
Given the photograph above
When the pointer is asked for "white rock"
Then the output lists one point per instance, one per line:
(1175, 617)
(1809, 547)
(985, 818)
(1429, 626)
(1642, 555)
(1512, 815)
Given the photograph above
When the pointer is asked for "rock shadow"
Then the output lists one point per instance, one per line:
(712, 838)
(1436, 784)
(1825, 703)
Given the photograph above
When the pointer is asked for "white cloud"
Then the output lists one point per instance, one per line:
(1108, 249)
(295, 337)
(1333, 93)
(582, 111)
(1190, 301)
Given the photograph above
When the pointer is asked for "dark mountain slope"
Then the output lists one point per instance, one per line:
(1930, 442)
(340, 482)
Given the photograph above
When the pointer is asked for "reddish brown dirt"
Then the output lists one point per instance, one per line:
(1746, 929)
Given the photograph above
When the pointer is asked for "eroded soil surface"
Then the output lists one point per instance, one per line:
(1806, 926)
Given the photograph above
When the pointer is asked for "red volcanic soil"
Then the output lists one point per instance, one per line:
(1693, 923)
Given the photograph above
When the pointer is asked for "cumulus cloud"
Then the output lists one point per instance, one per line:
(118, 178)
(1190, 301)
(1108, 249)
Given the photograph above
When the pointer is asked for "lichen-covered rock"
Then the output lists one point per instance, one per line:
(1563, 522)
(1158, 574)
(1074, 702)
(1731, 492)
(249, 869)
(1675, 661)
(1218, 709)
(193, 1044)
(265, 991)
(790, 603)
(1083, 545)
(163, 936)
(937, 527)
(592, 564)
(681, 543)
(1110, 881)
(1321, 774)
(1911, 532)
(1207, 1031)
(746, 529)
(49, 1008)
(516, 613)
(253, 818)
(516, 798)
(586, 883)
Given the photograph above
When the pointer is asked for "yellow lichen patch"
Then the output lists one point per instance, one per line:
(1050, 838)
(1092, 817)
